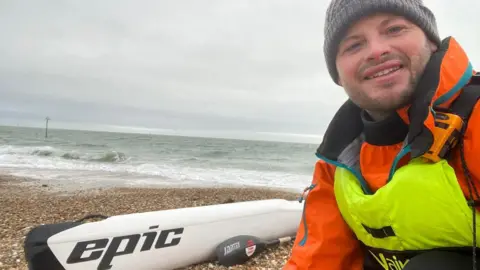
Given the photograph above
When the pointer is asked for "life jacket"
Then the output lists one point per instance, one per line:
(422, 207)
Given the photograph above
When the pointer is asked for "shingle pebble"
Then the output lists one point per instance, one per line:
(26, 203)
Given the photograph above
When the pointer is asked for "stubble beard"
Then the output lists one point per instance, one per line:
(381, 108)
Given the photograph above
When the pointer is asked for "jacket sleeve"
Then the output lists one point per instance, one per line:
(324, 240)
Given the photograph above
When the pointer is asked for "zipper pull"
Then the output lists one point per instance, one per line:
(302, 197)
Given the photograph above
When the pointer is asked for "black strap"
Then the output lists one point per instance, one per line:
(380, 233)
(468, 98)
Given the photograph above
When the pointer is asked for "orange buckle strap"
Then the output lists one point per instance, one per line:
(447, 130)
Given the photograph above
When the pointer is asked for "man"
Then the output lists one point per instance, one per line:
(394, 186)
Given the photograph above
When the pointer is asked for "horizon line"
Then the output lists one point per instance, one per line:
(268, 136)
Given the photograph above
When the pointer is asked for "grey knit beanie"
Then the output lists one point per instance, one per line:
(342, 13)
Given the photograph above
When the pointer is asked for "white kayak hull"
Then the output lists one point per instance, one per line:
(167, 239)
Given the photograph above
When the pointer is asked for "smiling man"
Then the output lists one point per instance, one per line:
(394, 187)
(380, 60)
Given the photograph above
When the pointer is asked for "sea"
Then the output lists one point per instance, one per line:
(94, 158)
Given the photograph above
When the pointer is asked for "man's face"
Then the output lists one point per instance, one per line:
(380, 61)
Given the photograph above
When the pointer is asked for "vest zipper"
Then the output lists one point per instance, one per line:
(366, 189)
(404, 151)
(303, 199)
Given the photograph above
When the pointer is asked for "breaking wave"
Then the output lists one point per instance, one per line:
(48, 151)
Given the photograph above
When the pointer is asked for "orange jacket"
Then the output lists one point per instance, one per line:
(324, 240)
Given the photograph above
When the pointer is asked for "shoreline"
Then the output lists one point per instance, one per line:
(28, 202)
(68, 186)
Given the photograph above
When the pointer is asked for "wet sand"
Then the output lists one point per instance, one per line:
(27, 202)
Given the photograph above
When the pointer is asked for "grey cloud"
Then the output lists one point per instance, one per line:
(254, 65)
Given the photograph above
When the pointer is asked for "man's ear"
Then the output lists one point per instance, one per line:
(339, 81)
(433, 47)
(339, 77)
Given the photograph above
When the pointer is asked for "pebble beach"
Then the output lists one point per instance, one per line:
(26, 203)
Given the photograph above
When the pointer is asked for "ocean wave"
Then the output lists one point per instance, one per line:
(27, 150)
(215, 154)
(71, 156)
(111, 156)
(156, 173)
(90, 145)
(48, 151)
(42, 152)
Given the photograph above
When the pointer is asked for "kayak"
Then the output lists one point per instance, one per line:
(165, 239)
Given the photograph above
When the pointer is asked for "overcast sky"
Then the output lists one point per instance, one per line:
(250, 68)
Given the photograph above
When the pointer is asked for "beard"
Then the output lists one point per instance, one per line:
(385, 104)
(380, 100)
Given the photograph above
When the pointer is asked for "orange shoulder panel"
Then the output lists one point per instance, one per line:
(324, 240)
(452, 68)
(376, 161)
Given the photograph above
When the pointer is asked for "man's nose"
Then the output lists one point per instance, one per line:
(377, 49)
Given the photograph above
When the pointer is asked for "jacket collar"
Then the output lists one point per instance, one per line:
(447, 72)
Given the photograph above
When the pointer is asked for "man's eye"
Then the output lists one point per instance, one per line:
(352, 46)
(395, 29)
